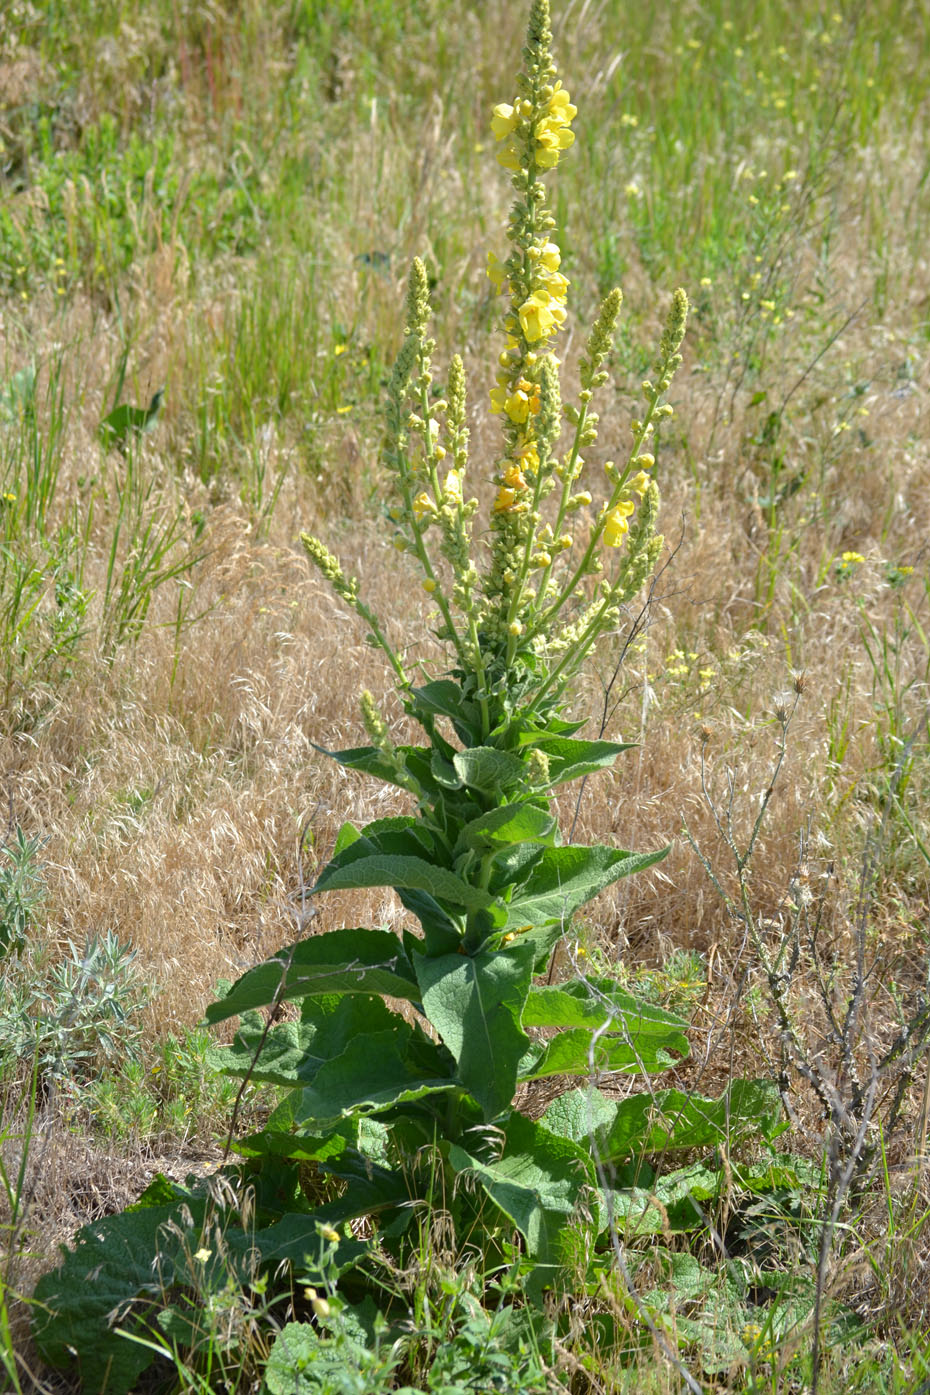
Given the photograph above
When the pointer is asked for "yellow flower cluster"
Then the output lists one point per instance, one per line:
(551, 131)
(534, 135)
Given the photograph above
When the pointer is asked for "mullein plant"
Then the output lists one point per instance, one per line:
(480, 863)
(402, 1070)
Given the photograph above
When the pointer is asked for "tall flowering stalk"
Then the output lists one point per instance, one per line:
(552, 573)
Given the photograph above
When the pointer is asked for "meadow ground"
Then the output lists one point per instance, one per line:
(223, 201)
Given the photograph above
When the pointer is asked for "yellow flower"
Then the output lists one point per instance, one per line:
(555, 284)
(852, 558)
(422, 505)
(509, 157)
(640, 483)
(498, 399)
(504, 120)
(522, 401)
(550, 257)
(529, 456)
(551, 139)
(560, 106)
(505, 500)
(537, 316)
(615, 525)
(452, 488)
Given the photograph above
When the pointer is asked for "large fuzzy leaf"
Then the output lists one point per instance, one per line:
(401, 853)
(509, 824)
(604, 1029)
(671, 1119)
(341, 961)
(570, 759)
(537, 1183)
(348, 1054)
(488, 770)
(370, 760)
(444, 698)
(564, 879)
(475, 1004)
(122, 1269)
(399, 871)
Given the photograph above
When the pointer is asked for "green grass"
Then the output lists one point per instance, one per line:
(223, 201)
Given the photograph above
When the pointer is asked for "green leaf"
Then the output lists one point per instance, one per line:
(475, 1005)
(579, 1113)
(347, 835)
(340, 961)
(391, 869)
(119, 426)
(349, 1055)
(569, 759)
(123, 1267)
(604, 1029)
(536, 1182)
(414, 760)
(444, 698)
(566, 878)
(489, 770)
(592, 1002)
(509, 824)
(19, 397)
(672, 1119)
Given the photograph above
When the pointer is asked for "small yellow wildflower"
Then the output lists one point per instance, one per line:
(616, 525)
(538, 317)
(422, 506)
(504, 120)
(514, 479)
(452, 488)
(852, 558)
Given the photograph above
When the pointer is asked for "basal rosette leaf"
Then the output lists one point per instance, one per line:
(668, 1119)
(537, 1183)
(340, 961)
(121, 1270)
(475, 1004)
